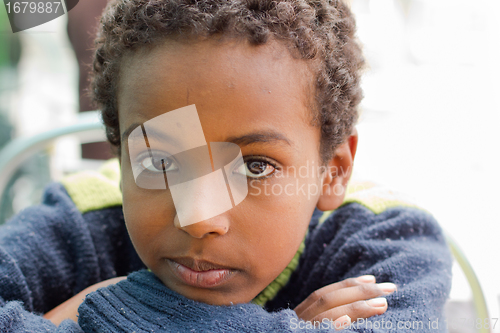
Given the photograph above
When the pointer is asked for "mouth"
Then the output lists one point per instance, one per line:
(200, 273)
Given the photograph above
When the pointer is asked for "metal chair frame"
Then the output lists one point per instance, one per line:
(88, 128)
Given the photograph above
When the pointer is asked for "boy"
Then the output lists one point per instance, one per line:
(281, 81)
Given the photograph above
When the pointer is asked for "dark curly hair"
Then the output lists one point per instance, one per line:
(321, 31)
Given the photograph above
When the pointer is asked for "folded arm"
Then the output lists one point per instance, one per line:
(401, 245)
(50, 252)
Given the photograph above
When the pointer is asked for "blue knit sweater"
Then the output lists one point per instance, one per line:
(50, 252)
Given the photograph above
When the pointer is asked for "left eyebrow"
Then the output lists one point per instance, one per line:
(260, 137)
(129, 130)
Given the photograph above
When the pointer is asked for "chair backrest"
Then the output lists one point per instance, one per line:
(88, 128)
(478, 298)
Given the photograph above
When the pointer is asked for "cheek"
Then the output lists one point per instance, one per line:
(289, 197)
(278, 246)
(148, 216)
(280, 225)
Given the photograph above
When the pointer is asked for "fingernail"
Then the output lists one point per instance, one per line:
(366, 278)
(387, 287)
(342, 322)
(377, 302)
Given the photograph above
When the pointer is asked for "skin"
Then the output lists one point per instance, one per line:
(238, 90)
(69, 309)
(244, 90)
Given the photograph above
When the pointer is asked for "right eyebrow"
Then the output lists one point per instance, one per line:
(151, 133)
(268, 136)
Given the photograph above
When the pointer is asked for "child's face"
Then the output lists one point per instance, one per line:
(258, 98)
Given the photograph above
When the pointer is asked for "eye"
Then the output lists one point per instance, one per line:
(157, 164)
(256, 168)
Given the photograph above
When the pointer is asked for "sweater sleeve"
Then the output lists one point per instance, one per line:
(50, 252)
(143, 304)
(395, 241)
(403, 245)
(15, 319)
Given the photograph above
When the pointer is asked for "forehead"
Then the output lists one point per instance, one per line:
(231, 83)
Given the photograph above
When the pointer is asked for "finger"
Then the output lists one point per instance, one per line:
(357, 310)
(346, 296)
(342, 322)
(351, 282)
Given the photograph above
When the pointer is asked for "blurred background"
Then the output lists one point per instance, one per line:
(429, 126)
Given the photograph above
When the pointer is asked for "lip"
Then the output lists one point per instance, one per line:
(200, 273)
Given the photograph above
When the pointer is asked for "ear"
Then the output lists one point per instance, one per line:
(338, 173)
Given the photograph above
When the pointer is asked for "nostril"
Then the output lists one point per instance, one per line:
(212, 227)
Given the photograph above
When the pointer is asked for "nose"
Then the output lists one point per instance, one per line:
(212, 227)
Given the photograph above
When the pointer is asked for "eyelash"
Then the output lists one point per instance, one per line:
(268, 161)
(246, 161)
(143, 157)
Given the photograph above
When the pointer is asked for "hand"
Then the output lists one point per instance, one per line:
(346, 301)
(69, 309)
